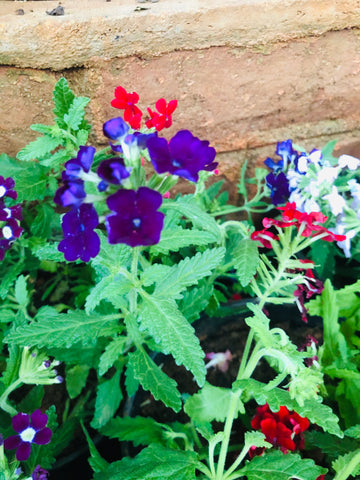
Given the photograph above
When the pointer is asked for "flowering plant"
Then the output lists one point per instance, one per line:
(102, 267)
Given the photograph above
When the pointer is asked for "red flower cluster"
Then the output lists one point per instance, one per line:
(132, 114)
(307, 223)
(282, 429)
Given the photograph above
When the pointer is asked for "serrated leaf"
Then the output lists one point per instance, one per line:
(49, 252)
(330, 444)
(347, 465)
(76, 377)
(282, 467)
(62, 98)
(38, 148)
(187, 207)
(166, 324)
(96, 461)
(41, 224)
(139, 430)
(31, 182)
(21, 292)
(153, 463)
(256, 439)
(109, 288)
(211, 403)
(112, 257)
(195, 301)
(108, 398)
(52, 329)
(76, 113)
(246, 260)
(112, 352)
(175, 238)
(188, 272)
(152, 378)
(316, 412)
(9, 278)
(353, 432)
(154, 273)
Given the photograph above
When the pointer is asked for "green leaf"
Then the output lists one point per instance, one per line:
(49, 252)
(108, 398)
(330, 444)
(188, 272)
(9, 278)
(112, 257)
(211, 403)
(41, 224)
(112, 352)
(96, 461)
(52, 329)
(195, 301)
(21, 292)
(316, 412)
(175, 238)
(76, 377)
(246, 260)
(353, 432)
(166, 324)
(31, 182)
(109, 288)
(39, 148)
(62, 98)
(347, 465)
(153, 463)
(186, 206)
(139, 430)
(152, 378)
(76, 112)
(282, 467)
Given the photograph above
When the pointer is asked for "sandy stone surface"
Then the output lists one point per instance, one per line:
(240, 90)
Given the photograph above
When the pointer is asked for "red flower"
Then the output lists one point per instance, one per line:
(282, 429)
(264, 236)
(163, 119)
(126, 101)
(307, 290)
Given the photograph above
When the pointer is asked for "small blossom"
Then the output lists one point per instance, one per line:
(219, 360)
(136, 220)
(349, 162)
(283, 429)
(336, 201)
(80, 240)
(39, 473)
(184, 155)
(29, 430)
(113, 171)
(7, 188)
(127, 102)
(264, 237)
(163, 119)
(279, 187)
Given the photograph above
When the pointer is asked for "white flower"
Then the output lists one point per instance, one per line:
(348, 161)
(328, 175)
(336, 201)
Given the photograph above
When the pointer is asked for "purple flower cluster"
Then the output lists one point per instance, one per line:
(29, 430)
(10, 216)
(134, 218)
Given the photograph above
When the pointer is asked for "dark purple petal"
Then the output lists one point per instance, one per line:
(113, 170)
(86, 157)
(72, 193)
(274, 166)
(12, 442)
(39, 473)
(23, 451)
(43, 436)
(185, 155)
(38, 420)
(136, 221)
(279, 187)
(6, 188)
(116, 128)
(20, 422)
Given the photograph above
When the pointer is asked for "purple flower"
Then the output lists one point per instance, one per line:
(116, 129)
(279, 187)
(6, 188)
(39, 473)
(136, 220)
(80, 240)
(184, 155)
(29, 431)
(10, 212)
(113, 171)
(286, 152)
(72, 192)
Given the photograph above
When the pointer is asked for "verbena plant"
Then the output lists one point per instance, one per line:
(101, 268)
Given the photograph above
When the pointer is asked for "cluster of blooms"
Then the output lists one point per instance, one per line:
(134, 218)
(283, 429)
(29, 430)
(307, 224)
(9, 215)
(314, 184)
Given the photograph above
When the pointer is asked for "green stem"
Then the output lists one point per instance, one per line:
(245, 356)
(3, 399)
(234, 402)
(237, 462)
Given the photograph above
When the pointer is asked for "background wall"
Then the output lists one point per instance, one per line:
(246, 73)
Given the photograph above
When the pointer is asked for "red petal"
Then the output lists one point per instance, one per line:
(161, 106)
